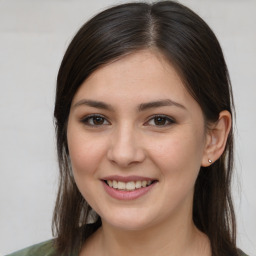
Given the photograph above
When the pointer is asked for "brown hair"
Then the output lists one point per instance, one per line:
(191, 46)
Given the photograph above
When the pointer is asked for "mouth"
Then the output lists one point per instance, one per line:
(130, 185)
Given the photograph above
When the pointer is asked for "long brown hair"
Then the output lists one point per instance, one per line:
(191, 46)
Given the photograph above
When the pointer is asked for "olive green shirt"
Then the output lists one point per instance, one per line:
(42, 249)
(47, 249)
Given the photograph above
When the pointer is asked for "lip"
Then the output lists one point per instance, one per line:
(127, 178)
(124, 194)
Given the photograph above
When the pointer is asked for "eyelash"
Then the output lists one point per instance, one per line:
(86, 120)
(91, 118)
(167, 120)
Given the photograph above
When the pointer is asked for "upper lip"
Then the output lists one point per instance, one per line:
(127, 178)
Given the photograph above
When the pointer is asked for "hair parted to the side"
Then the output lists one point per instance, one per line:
(190, 45)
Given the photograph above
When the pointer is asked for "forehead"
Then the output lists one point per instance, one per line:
(144, 71)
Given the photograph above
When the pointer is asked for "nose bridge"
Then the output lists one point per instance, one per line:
(125, 147)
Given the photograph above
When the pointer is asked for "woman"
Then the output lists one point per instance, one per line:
(144, 135)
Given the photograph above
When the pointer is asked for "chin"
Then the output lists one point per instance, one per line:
(128, 221)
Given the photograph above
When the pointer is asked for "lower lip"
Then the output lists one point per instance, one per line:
(127, 195)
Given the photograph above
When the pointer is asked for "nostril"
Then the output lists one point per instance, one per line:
(124, 151)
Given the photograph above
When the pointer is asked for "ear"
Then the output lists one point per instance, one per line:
(216, 138)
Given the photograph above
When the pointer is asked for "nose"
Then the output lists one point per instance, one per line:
(125, 147)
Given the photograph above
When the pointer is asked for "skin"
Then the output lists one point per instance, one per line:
(126, 140)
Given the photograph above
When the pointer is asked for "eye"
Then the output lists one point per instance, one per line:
(160, 120)
(95, 120)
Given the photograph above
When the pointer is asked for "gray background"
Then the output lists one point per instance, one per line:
(33, 37)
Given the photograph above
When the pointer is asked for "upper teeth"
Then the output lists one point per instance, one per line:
(131, 185)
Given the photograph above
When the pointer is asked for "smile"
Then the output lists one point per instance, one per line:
(128, 186)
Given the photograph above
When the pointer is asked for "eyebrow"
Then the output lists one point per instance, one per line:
(141, 107)
(159, 103)
(94, 104)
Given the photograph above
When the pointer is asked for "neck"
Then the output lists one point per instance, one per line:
(172, 238)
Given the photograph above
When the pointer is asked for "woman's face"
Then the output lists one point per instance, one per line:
(136, 140)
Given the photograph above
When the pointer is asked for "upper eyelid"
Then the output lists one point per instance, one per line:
(170, 119)
(93, 115)
(162, 115)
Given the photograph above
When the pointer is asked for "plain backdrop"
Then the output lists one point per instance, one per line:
(33, 37)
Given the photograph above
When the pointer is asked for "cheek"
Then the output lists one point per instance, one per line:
(85, 152)
(179, 156)
(85, 155)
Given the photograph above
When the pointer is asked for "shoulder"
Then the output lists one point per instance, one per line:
(241, 253)
(42, 249)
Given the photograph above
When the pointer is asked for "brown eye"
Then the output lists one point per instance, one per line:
(95, 120)
(160, 120)
(98, 120)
